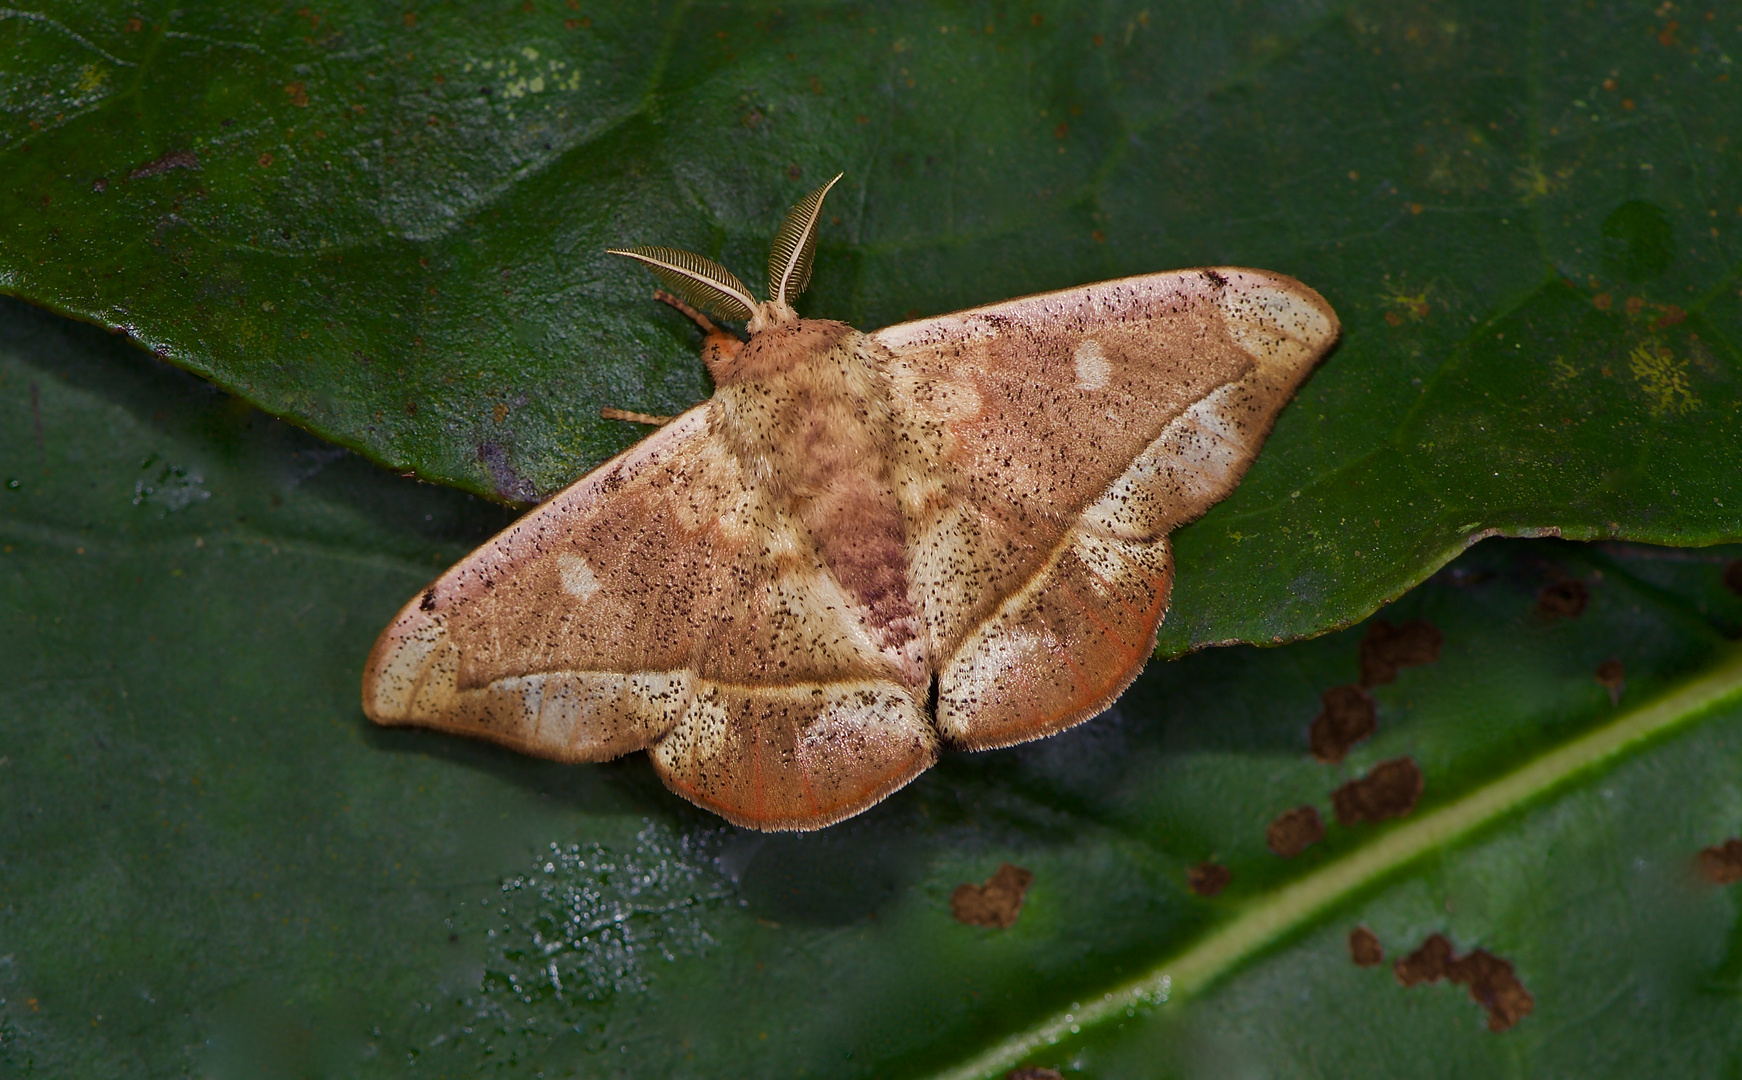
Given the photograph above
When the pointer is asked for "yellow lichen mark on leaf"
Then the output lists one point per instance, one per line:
(1403, 303)
(1663, 378)
(1565, 372)
(91, 79)
(1532, 182)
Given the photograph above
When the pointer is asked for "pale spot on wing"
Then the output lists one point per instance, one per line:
(577, 577)
(953, 586)
(1092, 366)
(931, 398)
(1274, 324)
(859, 713)
(1204, 445)
(403, 666)
(782, 540)
(1197, 454)
(570, 708)
(983, 666)
(1103, 556)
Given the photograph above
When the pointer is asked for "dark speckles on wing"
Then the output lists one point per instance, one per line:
(772, 592)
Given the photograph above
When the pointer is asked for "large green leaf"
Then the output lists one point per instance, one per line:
(211, 864)
(387, 225)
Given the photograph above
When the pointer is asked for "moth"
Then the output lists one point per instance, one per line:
(951, 532)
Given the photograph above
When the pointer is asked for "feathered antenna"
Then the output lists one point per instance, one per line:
(702, 282)
(789, 264)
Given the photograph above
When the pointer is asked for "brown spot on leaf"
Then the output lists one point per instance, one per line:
(996, 903)
(1634, 303)
(1391, 790)
(500, 412)
(1733, 576)
(1346, 717)
(1034, 1072)
(265, 161)
(1602, 301)
(793, 172)
(1491, 980)
(1294, 831)
(509, 484)
(1563, 599)
(1671, 315)
(298, 94)
(1721, 864)
(1613, 678)
(1387, 648)
(1208, 878)
(1364, 947)
(175, 159)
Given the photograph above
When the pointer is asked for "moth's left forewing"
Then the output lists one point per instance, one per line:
(1071, 431)
(662, 603)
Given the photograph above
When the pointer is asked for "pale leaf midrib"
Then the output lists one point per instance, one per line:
(1292, 907)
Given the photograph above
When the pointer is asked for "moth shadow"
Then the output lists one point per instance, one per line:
(222, 433)
(835, 876)
(627, 785)
(832, 877)
(1212, 703)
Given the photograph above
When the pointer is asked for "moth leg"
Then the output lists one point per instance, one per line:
(718, 346)
(636, 417)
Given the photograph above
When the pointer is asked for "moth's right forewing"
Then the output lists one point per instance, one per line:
(1071, 431)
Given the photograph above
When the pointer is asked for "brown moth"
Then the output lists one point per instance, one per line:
(864, 547)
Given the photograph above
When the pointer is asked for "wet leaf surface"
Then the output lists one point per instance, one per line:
(211, 863)
(389, 227)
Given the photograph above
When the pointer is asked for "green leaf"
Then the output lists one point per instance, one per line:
(388, 226)
(210, 863)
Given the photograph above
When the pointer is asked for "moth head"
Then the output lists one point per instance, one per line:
(705, 284)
